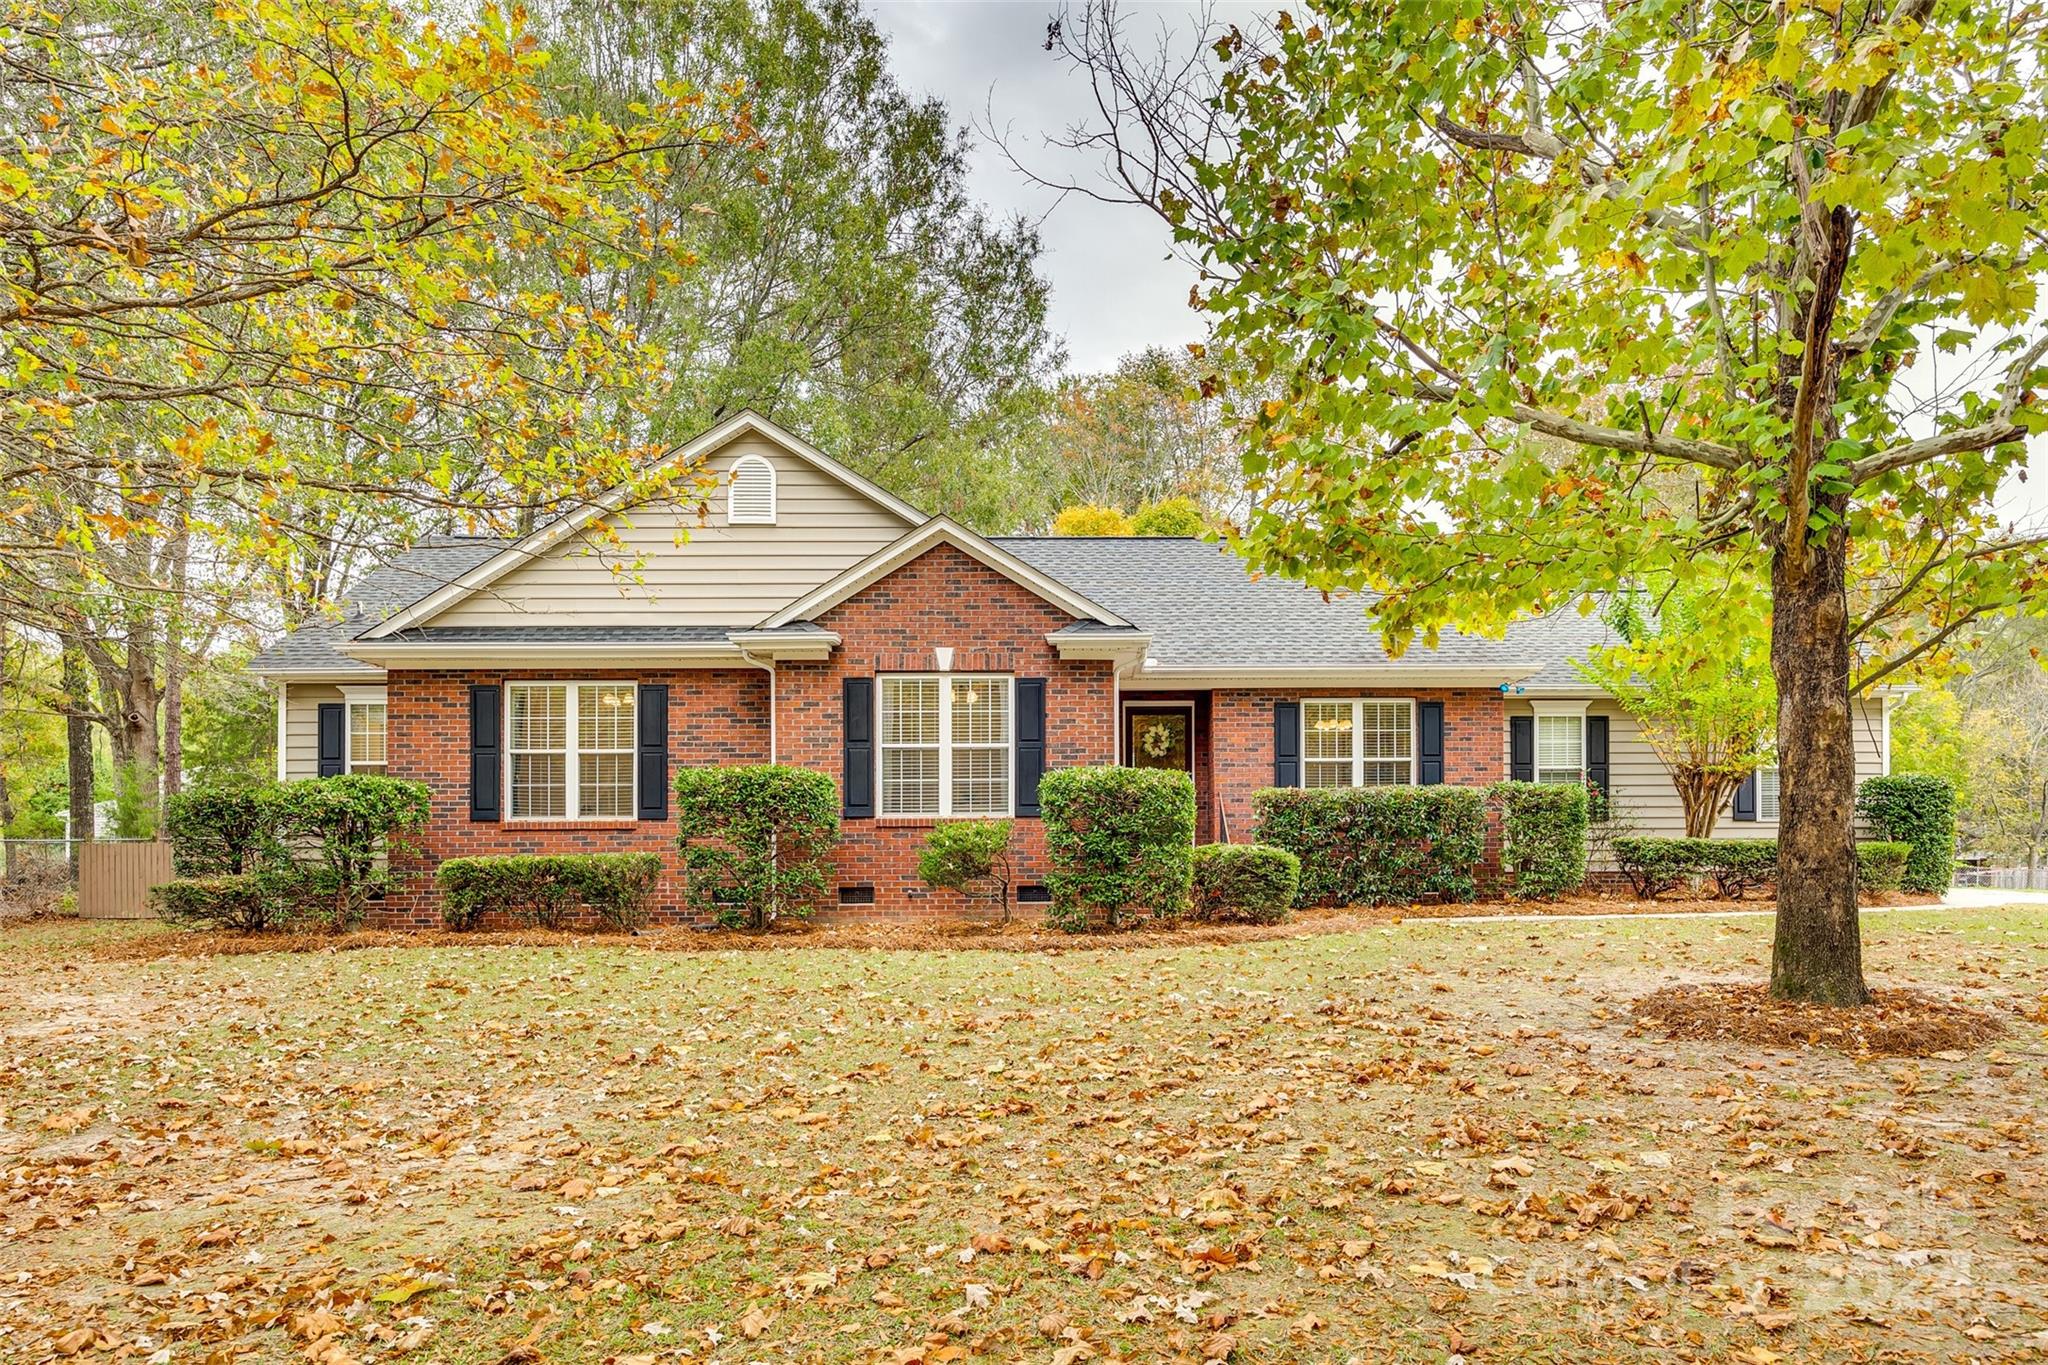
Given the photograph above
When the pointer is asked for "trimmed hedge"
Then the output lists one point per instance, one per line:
(971, 857)
(1655, 866)
(545, 887)
(757, 840)
(221, 831)
(1253, 883)
(234, 901)
(1881, 864)
(1543, 837)
(1918, 810)
(1376, 845)
(1118, 840)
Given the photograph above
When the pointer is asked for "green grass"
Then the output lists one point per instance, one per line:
(1405, 1143)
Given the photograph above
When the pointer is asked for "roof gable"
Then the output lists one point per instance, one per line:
(560, 535)
(935, 532)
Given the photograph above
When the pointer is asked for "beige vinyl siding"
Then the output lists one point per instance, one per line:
(302, 727)
(1648, 804)
(696, 572)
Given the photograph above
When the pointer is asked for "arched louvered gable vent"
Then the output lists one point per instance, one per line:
(750, 500)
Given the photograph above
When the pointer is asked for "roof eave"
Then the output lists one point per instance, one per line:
(786, 646)
(1319, 675)
(522, 653)
(1114, 646)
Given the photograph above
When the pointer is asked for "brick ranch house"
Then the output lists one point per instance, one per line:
(806, 616)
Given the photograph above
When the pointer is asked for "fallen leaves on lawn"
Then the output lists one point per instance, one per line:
(1897, 1022)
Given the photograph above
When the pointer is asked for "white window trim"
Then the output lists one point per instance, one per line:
(1358, 758)
(945, 810)
(572, 795)
(1575, 710)
(748, 462)
(351, 698)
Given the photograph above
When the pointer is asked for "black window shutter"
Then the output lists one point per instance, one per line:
(857, 771)
(1745, 799)
(333, 738)
(1287, 744)
(486, 751)
(1522, 748)
(1030, 742)
(652, 720)
(1596, 753)
(1429, 743)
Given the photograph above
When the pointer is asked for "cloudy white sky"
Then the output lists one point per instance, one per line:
(1115, 287)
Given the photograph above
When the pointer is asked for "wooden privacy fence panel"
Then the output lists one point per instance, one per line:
(114, 877)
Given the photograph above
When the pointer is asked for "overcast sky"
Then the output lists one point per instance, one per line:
(1115, 287)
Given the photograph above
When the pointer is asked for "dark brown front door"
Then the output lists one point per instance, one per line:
(1159, 737)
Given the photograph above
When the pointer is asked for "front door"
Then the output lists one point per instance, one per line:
(1160, 737)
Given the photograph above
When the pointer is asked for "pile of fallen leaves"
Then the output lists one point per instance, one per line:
(1897, 1022)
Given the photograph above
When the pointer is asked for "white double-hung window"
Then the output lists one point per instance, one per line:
(1767, 793)
(944, 742)
(364, 750)
(569, 750)
(1362, 742)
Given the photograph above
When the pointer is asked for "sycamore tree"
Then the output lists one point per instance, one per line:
(1538, 297)
(1695, 675)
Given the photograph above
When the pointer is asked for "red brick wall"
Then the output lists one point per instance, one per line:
(1241, 720)
(942, 598)
(716, 716)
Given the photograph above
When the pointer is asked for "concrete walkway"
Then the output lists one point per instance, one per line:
(1985, 897)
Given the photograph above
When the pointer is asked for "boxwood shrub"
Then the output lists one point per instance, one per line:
(232, 901)
(1542, 836)
(1254, 883)
(544, 888)
(757, 840)
(1881, 864)
(1376, 845)
(1918, 810)
(1119, 841)
(1654, 866)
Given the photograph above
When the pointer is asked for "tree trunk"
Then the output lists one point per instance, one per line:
(77, 749)
(1818, 955)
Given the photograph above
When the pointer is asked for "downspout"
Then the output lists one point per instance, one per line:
(769, 669)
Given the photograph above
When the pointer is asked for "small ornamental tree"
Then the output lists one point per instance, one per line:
(971, 857)
(1513, 302)
(1693, 669)
(757, 840)
(339, 831)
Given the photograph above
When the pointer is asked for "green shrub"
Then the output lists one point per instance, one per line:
(1376, 845)
(757, 841)
(1881, 864)
(545, 887)
(1118, 840)
(1255, 883)
(971, 857)
(1543, 837)
(339, 830)
(1917, 810)
(1654, 866)
(234, 901)
(220, 831)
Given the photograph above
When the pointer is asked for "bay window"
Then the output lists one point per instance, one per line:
(1358, 742)
(570, 750)
(944, 744)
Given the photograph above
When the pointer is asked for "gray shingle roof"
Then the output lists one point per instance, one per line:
(1205, 611)
(430, 563)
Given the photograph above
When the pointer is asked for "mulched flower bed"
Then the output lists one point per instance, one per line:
(1898, 1022)
(1025, 934)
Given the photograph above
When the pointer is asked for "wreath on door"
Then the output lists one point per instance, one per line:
(1156, 739)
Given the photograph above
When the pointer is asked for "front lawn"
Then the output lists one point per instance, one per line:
(1412, 1142)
